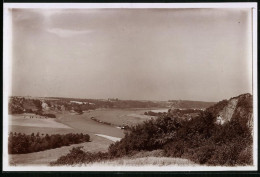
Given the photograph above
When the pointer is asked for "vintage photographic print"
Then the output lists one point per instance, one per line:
(130, 87)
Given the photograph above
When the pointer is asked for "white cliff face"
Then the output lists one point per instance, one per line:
(240, 109)
(220, 120)
(226, 114)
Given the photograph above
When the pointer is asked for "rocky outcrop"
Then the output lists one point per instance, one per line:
(244, 111)
(238, 109)
(226, 114)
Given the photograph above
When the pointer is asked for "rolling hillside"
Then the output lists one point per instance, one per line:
(204, 139)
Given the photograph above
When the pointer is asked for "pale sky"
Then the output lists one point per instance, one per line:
(146, 54)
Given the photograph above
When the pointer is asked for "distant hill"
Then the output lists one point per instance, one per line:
(186, 104)
(19, 105)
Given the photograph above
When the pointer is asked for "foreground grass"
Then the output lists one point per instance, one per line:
(147, 161)
(147, 158)
(78, 157)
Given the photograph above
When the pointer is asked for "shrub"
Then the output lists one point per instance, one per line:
(200, 140)
(208, 143)
(245, 157)
(78, 156)
(150, 135)
(46, 115)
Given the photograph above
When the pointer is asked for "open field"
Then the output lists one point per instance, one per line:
(30, 120)
(42, 130)
(120, 116)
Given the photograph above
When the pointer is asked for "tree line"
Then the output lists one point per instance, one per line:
(21, 143)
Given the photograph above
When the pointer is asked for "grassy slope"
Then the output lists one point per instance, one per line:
(147, 158)
(45, 157)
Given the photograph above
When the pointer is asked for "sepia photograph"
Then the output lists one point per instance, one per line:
(130, 87)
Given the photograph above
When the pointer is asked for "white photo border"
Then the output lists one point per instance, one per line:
(7, 67)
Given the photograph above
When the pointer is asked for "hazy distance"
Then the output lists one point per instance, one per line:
(146, 54)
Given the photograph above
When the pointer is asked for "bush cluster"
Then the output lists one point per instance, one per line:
(151, 113)
(79, 156)
(45, 115)
(21, 143)
(204, 142)
(100, 121)
(150, 135)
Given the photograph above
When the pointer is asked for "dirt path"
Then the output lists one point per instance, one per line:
(114, 139)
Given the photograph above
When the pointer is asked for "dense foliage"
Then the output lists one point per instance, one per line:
(150, 135)
(214, 110)
(21, 143)
(199, 139)
(184, 113)
(244, 111)
(204, 142)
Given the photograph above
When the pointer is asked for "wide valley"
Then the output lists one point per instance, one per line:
(104, 126)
